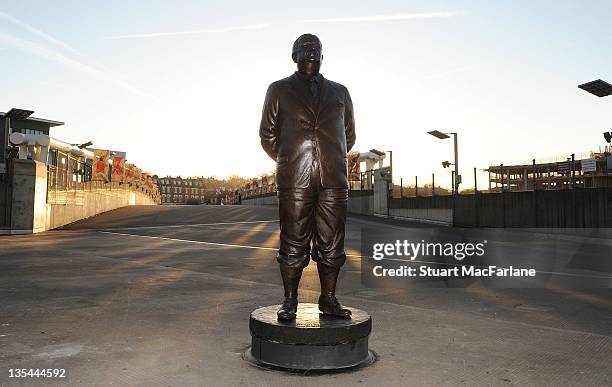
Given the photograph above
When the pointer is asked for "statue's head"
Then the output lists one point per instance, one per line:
(307, 53)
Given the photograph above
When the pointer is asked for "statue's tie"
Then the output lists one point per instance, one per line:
(313, 87)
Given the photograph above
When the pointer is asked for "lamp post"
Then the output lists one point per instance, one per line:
(442, 136)
(391, 165)
(597, 87)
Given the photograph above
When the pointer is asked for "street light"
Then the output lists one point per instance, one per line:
(600, 89)
(438, 134)
(391, 165)
(597, 87)
(443, 136)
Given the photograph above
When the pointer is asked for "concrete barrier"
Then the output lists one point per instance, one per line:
(267, 199)
(66, 207)
(441, 216)
(361, 203)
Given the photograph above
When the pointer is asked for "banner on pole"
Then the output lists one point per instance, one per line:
(118, 171)
(354, 166)
(129, 173)
(100, 166)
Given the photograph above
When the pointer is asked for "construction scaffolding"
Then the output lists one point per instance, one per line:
(592, 171)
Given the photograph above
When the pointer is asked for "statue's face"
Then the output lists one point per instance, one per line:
(308, 50)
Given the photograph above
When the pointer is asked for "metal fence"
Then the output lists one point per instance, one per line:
(577, 208)
(65, 171)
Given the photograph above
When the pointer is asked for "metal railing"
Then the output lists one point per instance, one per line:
(61, 180)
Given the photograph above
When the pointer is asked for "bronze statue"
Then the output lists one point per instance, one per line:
(307, 127)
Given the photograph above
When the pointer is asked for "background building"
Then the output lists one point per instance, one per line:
(588, 170)
(20, 120)
(199, 190)
(177, 190)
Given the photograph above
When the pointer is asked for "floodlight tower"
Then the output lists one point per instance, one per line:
(442, 136)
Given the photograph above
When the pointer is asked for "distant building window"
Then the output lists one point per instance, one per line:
(30, 131)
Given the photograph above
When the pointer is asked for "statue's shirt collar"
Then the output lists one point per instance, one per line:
(309, 78)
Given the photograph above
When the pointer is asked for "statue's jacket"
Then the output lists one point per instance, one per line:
(297, 129)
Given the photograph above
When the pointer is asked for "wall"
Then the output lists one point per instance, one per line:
(66, 207)
(267, 199)
(361, 202)
(28, 197)
(425, 209)
(33, 209)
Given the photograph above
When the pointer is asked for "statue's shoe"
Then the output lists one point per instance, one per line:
(329, 305)
(288, 310)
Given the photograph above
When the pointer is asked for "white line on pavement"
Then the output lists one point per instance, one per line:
(191, 225)
(348, 255)
(201, 242)
(189, 241)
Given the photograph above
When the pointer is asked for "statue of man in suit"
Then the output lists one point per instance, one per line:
(307, 127)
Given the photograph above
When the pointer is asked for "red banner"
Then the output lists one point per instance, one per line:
(100, 165)
(118, 171)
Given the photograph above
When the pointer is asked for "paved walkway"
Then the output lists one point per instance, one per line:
(160, 296)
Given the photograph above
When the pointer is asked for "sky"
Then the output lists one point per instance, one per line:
(180, 85)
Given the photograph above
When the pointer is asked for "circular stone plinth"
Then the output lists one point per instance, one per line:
(312, 341)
